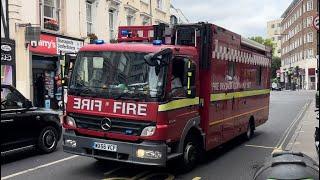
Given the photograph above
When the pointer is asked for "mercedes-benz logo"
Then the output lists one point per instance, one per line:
(105, 124)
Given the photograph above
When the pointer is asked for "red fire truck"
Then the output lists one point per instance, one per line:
(150, 103)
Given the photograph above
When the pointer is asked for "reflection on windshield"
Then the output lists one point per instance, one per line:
(116, 74)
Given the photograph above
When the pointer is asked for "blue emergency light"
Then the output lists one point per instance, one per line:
(125, 32)
(157, 42)
(99, 41)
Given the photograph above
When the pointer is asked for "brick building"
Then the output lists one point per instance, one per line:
(299, 45)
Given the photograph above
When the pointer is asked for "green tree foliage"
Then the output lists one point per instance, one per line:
(276, 61)
(275, 65)
(266, 42)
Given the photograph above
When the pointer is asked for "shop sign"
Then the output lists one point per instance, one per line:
(46, 45)
(68, 45)
(7, 51)
(52, 45)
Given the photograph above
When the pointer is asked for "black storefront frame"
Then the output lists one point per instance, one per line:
(12, 54)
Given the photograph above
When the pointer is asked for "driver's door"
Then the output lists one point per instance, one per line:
(16, 124)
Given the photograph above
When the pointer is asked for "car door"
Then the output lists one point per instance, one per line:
(8, 121)
(17, 125)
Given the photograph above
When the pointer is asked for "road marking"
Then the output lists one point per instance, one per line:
(277, 150)
(38, 167)
(284, 137)
(256, 146)
(112, 171)
(150, 176)
(196, 178)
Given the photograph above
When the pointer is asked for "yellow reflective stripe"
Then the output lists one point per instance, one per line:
(212, 123)
(241, 94)
(176, 104)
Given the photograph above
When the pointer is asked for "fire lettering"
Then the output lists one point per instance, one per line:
(130, 108)
(87, 104)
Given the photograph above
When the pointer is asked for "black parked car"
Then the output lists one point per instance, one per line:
(23, 125)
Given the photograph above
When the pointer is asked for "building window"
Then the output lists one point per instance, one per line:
(272, 26)
(309, 5)
(51, 14)
(112, 22)
(309, 21)
(129, 20)
(173, 20)
(310, 53)
(310, 37)
(145, 21)
(145, 1)
(160, 4)
(89, 7)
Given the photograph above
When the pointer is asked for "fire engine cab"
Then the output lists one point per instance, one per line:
(194, 88)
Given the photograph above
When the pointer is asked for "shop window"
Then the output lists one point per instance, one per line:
(51, 15)
(6, 74)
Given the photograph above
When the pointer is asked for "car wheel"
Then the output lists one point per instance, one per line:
(48, 139)
(250, 130)
(191, 154)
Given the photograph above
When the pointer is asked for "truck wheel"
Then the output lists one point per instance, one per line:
(191, 153)
(250, 130)
(48, 139)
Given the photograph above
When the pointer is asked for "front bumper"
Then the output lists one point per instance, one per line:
(126, 152)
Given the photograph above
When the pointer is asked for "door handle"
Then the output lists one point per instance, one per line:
(7, 120)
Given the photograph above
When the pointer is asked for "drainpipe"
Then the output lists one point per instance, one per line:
(150, 7)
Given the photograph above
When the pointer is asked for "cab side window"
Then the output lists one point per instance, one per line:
(177, 78)
(10, 99)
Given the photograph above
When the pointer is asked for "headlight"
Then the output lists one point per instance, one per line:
(148, 131)
(70, 143)
(69, 121)
(148, 154)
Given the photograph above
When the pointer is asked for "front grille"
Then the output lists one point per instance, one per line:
(120, 126)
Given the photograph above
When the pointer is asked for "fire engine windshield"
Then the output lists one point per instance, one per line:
(116, 75)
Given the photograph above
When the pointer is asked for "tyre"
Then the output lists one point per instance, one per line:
(191, 153)
(250, 131)
(48, 139)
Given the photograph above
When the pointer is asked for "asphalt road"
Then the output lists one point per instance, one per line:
(237, 160)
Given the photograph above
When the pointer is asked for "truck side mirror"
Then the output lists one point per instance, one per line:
(189, 81)
(69, 63)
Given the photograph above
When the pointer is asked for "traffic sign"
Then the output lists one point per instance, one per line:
(316, 22)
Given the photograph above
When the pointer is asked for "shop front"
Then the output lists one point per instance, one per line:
(8, 62)
(46, 68)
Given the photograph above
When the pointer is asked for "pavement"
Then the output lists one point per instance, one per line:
(236, 160)
(303, 138)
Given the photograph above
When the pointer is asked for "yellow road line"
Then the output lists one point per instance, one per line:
(212, 123)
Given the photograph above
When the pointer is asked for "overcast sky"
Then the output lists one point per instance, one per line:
(245, 17)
